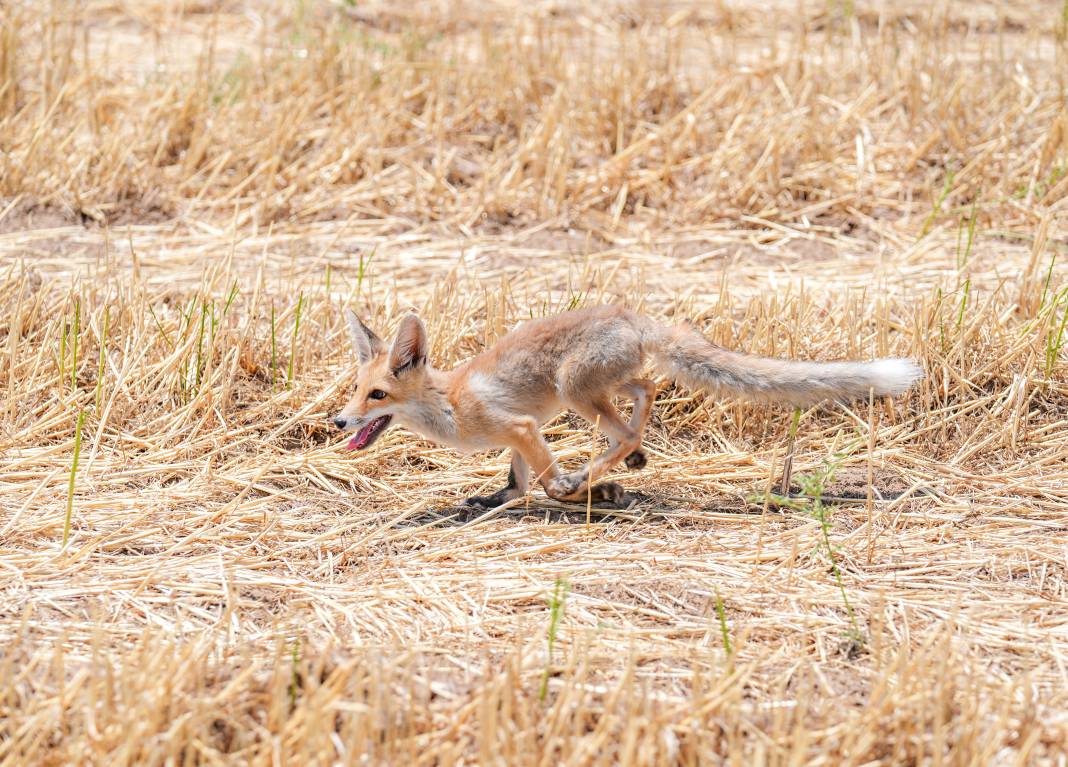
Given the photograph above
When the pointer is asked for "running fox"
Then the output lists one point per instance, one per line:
(576, 360)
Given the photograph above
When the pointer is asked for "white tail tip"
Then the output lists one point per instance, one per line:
(894, 376)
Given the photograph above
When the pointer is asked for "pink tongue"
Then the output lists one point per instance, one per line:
(361, 437)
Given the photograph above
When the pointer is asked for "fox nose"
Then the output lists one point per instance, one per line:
(340, 422)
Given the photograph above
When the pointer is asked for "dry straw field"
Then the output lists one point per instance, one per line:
(192, 570)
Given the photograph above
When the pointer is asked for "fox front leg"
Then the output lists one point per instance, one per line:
(624, 447)
(518, 481)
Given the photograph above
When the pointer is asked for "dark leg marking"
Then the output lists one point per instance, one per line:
(501, 496)
(609, 492)
(635, 460)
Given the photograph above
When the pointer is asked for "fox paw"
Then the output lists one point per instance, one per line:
(492, 501)
(635, 460)
(572, 487)
(565, 485)
(609, 492)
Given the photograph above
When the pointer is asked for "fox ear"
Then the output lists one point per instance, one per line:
(410, 347)
(364, 342)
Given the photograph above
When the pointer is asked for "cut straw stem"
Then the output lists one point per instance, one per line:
(589, 474)
(103, 356)
(293, 342)
(788, 462)
(74, 343)
(274, 350)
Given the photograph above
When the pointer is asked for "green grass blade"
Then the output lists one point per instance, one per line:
(721, 615)
(73, 476)
(556, 612)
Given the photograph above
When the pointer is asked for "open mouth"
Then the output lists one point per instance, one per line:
(369, 433)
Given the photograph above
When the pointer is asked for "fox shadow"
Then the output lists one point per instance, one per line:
(641, 507)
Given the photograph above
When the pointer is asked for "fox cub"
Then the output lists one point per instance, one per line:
(577, 360)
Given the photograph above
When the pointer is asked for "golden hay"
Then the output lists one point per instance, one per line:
(179, 183)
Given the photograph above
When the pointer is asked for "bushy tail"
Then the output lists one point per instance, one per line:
(696, 363)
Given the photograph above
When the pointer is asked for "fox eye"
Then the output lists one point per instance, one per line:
(377, 394)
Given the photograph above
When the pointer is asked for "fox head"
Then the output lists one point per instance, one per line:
(391, 384)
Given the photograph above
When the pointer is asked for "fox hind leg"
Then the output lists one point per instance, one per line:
(624, 441)
(528, 442)
(642, 392)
